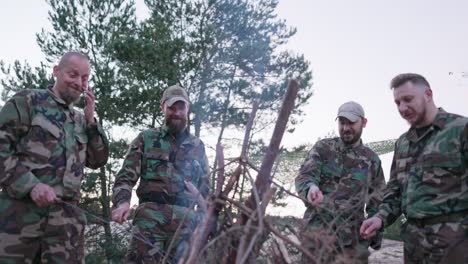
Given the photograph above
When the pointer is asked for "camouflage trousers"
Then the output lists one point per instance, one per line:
(442, 243)
(32, 234)
(160, 231)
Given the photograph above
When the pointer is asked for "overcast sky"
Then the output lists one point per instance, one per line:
(355, 48)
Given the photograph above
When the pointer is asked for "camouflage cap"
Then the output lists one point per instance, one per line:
(173, 94)
(351, 111)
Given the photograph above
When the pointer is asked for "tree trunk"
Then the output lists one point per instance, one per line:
(105, 203)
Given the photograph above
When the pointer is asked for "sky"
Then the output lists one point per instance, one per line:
(354, 48)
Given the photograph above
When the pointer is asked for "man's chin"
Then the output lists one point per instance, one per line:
(413, 122)
(175, 129)
(69, 99)
(349, 141)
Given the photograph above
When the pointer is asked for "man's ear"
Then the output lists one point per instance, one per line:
(162, 108)
(56, 70)
(364, 122)
(428, 94)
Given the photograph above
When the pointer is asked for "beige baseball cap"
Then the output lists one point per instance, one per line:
(173, 94)
(351, 111)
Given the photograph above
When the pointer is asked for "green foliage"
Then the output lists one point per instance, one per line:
(89, 27)
(226, 53)
(382, 147)
(98, 251)
(18, 76)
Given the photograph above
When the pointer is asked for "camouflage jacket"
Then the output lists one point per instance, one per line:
(42, 139)
(349, 178)
(163, 164)
(429, 173)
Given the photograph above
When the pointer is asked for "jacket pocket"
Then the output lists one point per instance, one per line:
(156, 164)
(443, 169)
(41, 140)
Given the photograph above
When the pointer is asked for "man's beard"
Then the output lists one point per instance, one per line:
(356, 136)
(69, 97)
(420, 119)
(174, 127)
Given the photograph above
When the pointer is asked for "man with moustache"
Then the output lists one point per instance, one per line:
(169, 162)
(428, 178)
(339, 178)
(45, 143)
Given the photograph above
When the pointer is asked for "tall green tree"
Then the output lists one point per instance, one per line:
(19, 76)
(226, 53)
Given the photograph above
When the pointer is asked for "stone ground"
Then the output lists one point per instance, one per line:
(390, 253)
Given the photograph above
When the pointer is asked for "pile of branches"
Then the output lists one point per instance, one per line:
(222, 237)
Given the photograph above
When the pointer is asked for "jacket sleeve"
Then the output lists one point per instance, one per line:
(390, 208)
(375, 195)
(15, 120)
(465, 145)
(130, 172)
(205, 179)
(97, 151)
(310, 171)
(376, 190)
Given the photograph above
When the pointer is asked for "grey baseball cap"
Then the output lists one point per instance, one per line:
(173, 94)
(351, 111)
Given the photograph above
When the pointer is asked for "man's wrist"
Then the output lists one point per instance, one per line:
(90, 121)
(382, 221)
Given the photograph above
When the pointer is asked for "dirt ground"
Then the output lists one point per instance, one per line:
(390, 253)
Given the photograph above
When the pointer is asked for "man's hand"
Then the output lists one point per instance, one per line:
(314, 196)
(120, 214)
(43, 195)
(370, 227)
(89, 105)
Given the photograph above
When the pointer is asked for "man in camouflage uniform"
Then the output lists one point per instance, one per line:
(339, 178)
(44, 146)
(428, 179)
(168, 161)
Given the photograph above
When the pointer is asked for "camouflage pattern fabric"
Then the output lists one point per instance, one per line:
(32, 234)
(162, 164)
(43, 140)
(442, 243)
(349, 179)
(429, 175)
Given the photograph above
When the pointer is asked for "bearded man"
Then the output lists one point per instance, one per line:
(339, 178)
(45, 144)
(168, 161)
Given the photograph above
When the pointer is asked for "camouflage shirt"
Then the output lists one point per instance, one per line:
(42, 139)
(348, 177)
(163, 164)
(429, 174)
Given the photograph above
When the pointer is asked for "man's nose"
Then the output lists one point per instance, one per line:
(78, 82)
(177, 112)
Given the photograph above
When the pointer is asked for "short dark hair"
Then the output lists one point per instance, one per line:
(403, 78)
(67, 55)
